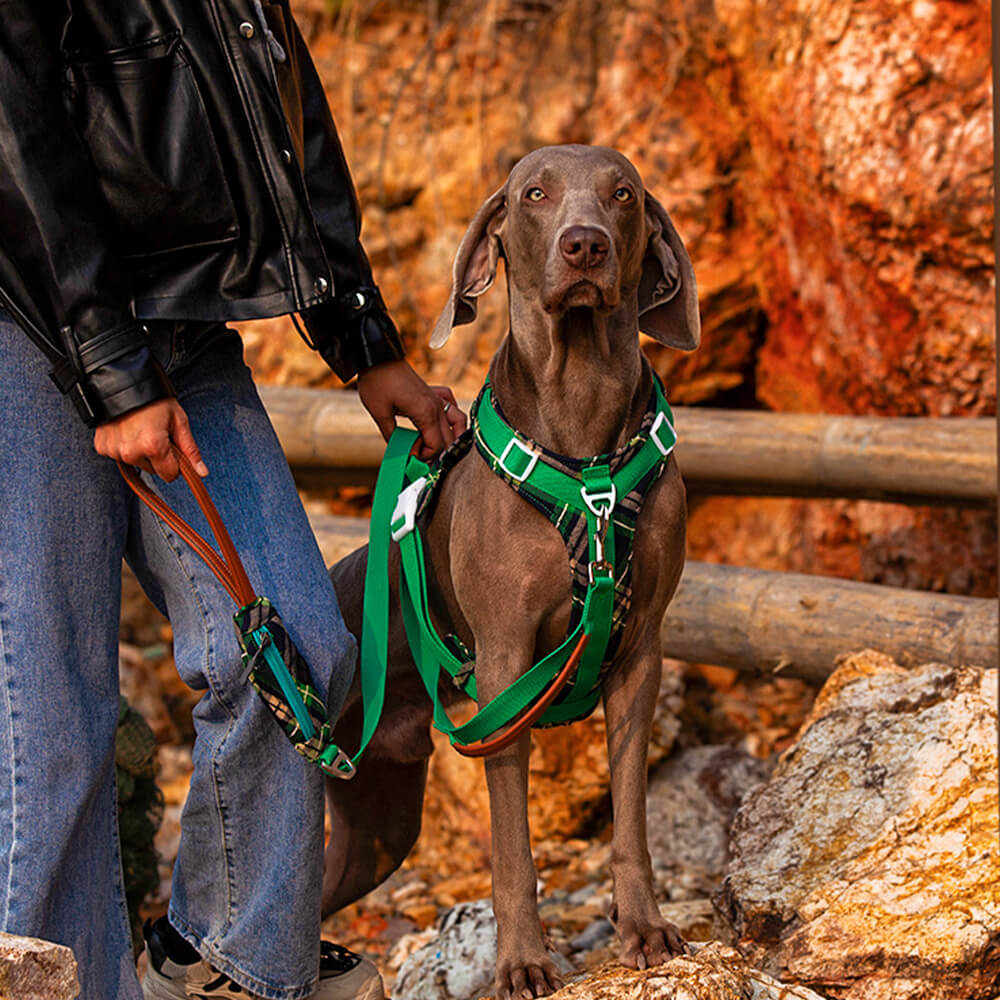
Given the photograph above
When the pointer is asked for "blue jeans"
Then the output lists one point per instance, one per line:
(249, 871)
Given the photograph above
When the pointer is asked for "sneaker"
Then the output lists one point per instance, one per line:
(175, 971)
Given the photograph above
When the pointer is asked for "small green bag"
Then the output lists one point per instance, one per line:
(274, 666)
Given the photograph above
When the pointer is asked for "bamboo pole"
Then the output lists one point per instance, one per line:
(328, 437)
(792, 624)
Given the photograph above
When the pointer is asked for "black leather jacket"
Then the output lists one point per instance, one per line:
(171, 159)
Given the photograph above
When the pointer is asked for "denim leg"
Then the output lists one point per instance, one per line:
(246, 890)
(64, 517)
(248, 876)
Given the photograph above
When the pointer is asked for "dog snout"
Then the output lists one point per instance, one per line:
(584, 247)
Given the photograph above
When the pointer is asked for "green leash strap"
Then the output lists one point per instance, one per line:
(374, 655)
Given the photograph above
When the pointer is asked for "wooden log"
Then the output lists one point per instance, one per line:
(328, 437)
(792, 624)
(797, 625)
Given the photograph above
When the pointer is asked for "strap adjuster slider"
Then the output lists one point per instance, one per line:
(654, 434)
(525, 450)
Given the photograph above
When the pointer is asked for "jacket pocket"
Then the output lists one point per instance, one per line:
(143, 118)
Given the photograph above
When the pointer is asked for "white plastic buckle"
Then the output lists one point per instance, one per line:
(654, 431)
(406, 509)
(600, 504)
(530, 452)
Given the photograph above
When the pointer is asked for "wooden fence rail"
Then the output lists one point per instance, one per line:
(789, 623)
(328, 437)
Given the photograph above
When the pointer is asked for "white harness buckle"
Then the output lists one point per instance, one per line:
(406, 509)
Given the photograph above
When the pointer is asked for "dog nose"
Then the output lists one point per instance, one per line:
(584, 246)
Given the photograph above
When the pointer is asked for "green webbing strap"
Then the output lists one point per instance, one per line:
(391, 516)
(520, 460)
(430, 653)
(375, 624)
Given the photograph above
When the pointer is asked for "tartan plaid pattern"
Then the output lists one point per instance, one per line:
(572, 524)
(262, 615)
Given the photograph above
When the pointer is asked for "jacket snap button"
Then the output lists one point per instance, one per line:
(321, 285)
(286, 157)
(246, 29)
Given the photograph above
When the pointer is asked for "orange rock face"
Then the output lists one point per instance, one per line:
(827, 163)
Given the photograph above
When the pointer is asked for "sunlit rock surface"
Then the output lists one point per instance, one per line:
(713, 973)
(36, 970)
(868, 866)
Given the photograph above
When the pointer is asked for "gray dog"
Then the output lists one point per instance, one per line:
(591, 258)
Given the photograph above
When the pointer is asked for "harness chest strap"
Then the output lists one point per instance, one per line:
(594, 494)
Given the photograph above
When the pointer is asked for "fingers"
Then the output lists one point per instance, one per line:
(143, 438)
(184, 439)
(395, 388)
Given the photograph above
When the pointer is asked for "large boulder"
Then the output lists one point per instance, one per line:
(868, 866)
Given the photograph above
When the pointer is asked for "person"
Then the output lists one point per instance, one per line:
(167, 166)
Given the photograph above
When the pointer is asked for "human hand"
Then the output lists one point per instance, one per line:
(394, 388)
(143, 437)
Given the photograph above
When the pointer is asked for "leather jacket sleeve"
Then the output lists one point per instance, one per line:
(59, 274)
(353, 331)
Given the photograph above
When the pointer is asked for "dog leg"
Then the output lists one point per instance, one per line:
(629, 703)
(524, 967)
(375, 820)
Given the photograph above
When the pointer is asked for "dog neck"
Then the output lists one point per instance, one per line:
(575, 382)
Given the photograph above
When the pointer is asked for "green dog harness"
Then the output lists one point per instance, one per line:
(593, 502)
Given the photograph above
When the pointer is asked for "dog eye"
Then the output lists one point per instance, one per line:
(535, 194)
(624, 194)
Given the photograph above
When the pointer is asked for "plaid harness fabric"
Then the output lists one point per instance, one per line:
(571, 523)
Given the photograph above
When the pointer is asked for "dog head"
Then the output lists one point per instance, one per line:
(577, 228)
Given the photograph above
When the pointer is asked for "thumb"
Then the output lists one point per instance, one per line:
(182, 437)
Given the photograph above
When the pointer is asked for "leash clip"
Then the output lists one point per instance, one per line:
(406, 509)
(340, 767)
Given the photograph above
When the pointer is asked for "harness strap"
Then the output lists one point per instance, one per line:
(403, 481)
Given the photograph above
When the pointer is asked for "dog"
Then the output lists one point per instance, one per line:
(591, 259)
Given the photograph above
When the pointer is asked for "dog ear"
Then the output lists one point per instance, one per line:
(668, 296)
(475, 266)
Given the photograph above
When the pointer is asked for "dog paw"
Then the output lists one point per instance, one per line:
(648, 943)
(523, 980)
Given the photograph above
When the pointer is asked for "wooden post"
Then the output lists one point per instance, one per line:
(328, 437)
(788, 623)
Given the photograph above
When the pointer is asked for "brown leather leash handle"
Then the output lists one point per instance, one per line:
(227, 568)
(485, 747)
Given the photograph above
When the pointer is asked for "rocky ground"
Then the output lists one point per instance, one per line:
(714, 721)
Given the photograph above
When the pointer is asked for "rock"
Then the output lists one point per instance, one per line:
(868, 866)
(714, 972)
(689, 808)
(459, 963)
(36, 970)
